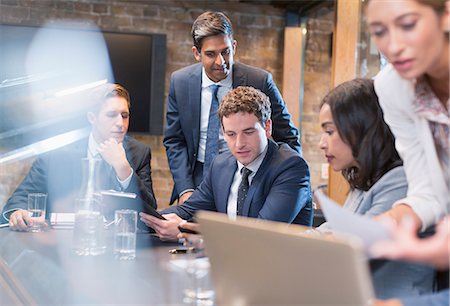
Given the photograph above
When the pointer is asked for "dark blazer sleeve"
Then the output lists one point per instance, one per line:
(174, 137)
(34, 181)
(289, 198)
(139, 157)
(201, 199)
(283, 129)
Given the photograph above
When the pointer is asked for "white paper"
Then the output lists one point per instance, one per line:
(344, 221)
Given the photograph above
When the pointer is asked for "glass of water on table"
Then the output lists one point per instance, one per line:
(125, 226)
(37, 203)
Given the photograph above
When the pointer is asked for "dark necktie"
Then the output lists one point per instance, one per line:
(242, 190)
(212, 135)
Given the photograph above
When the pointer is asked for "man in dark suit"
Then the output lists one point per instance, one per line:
(190, 100)
(58, 173)
(257, 178)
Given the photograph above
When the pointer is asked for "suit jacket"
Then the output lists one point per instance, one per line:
(58, 173)
(182, 133)
(280, 190)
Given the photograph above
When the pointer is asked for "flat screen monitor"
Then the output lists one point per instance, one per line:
(137, 61)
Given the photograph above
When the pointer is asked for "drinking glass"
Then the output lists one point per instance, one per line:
(89, 231)
(125, 221)
(36, 206)
(200, 290)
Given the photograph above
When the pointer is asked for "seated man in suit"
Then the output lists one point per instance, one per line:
(257, 178)
(58, 173)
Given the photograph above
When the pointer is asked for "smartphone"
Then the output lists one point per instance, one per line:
(187, 231)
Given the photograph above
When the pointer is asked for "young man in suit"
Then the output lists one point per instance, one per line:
(58, 173)
(191, 94)
(256, 178)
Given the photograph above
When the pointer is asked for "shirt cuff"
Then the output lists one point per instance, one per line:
(126, 182)
(185, 191)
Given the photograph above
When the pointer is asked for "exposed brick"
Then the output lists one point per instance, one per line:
(82, 7)
(110, 22)
(127, 10)
(14, 14)
(65, 5)
(99, 8)
(9, 2)
(148, 25)
(277, 22)
(254, 20)
(151, 11)
(39, 3)
(173, 13)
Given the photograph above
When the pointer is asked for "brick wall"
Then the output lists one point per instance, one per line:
(317, 79)
(258, 30)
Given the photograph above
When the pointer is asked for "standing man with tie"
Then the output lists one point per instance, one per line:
(192, 137)
(256, 178)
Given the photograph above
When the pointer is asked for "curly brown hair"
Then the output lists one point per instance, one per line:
(246, 99)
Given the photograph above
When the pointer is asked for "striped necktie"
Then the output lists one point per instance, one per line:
(212, 135)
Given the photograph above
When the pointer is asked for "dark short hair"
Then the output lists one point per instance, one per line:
(246, 99)
(101, 93)
(358, 118)
(210, 24)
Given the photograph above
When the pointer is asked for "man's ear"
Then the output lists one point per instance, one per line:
(235, 45)
(91, 117)
(268, 128)
(197, 54)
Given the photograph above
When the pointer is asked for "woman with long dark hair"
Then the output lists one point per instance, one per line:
(357, 142)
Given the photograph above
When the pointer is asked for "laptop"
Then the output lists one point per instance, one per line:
(256, 262)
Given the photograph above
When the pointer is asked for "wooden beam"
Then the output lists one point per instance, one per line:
(292, 71)
(346, 36)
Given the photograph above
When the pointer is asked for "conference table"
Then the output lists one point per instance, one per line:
(42, 269)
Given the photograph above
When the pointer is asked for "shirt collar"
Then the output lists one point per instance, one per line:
(92, 147)
(206, 81)
(254, 165)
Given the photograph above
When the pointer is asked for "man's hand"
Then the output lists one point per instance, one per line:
(114, 154)
(166, 229)
(190, 226)
(184, 197)
(20, 220)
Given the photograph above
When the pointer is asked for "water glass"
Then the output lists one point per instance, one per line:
(89, 230)
(200, 290)
(37, 203)
(125, 221)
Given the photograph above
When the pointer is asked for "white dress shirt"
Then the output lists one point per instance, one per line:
(232, 197)
(225, 86)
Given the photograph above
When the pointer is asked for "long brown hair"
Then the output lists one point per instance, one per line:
(359, 121)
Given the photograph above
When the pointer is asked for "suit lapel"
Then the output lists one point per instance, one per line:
(239, 77)
(228, 175)
(195, 100)
(259, 177)
(78, 151)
